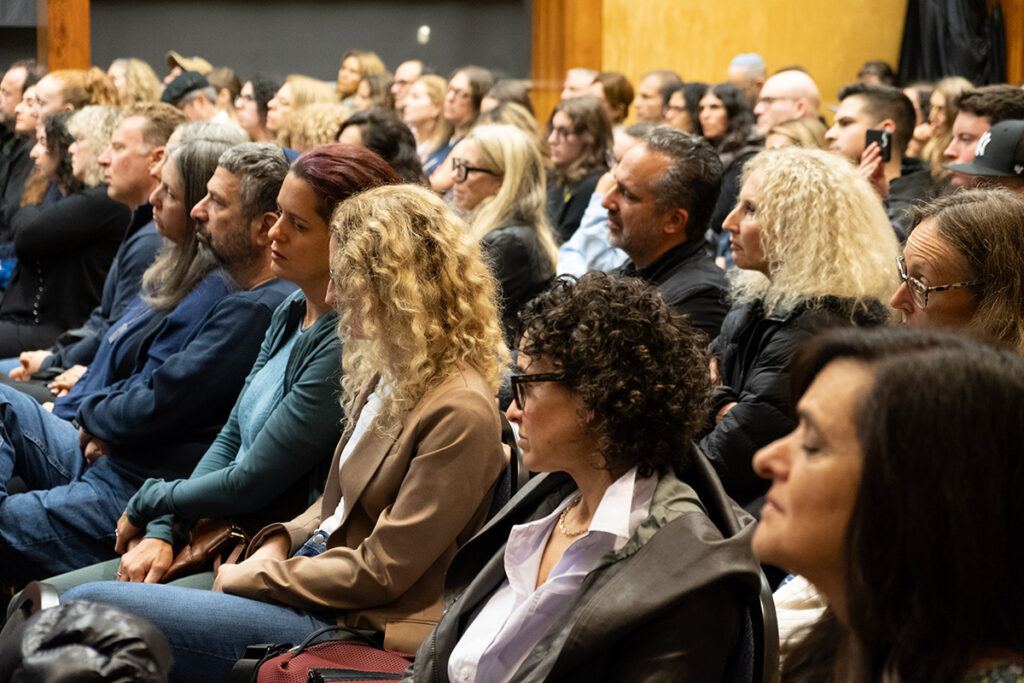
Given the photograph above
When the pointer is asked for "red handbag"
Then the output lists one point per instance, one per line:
(354, 659)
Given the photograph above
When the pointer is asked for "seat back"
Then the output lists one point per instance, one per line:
(513, 476)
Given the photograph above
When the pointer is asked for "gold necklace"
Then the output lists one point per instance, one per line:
(561, 519)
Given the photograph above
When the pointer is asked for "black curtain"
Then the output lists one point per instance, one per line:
(953, 38)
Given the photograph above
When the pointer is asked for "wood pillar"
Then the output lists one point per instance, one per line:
(62, 35)
(566, 34)
(1013, 19)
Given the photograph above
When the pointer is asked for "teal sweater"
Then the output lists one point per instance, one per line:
(285, 469)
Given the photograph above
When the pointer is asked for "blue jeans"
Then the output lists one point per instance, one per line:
(208, 631)
(67, 518)
(8, 364)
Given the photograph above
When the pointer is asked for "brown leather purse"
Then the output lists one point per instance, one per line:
(211, 543)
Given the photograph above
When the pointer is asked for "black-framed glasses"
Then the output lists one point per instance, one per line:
(919, 291)
(519, 382)
(561, 132)
(462, 170)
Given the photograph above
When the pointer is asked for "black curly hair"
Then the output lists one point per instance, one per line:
(640, 370)
(58, 140)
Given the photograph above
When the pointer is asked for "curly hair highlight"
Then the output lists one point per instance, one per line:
(94, 125)
(416, 299)
(823, 232)
(640, 370)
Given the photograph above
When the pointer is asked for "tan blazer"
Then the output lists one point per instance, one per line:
(410, 501)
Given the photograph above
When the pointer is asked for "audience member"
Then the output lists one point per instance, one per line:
(512, 114)
(499, 182)
(507, 90)
(466, 90)
(901, 181)
(786, 95)
(876, 72)
(999, 161)
(579, 139)
(422, 112)
(19, 120)
(64, 244)
(665, 189)
(70, 89)
(251, 107)
(194, 332)
(683, 109)
(314, 125)
(878, 456)
(269, 461)
(423, 359)
(747, 72)
(806, 132)
(977, 111)
(193, 95)
(653, 92)
(374, 91)
(588, 248)
(355, 64)
(616, 94)
(612, 542)
(227, 87)
(963, 266)
(135, 81)
(919, 95)
(381, 131)
(942, 112)
(814, 249)
(137, 145)
(178, 63)
(297, 92)
(407, 73)
(577, 82)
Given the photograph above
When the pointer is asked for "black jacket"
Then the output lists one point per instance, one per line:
(566, 205)
(15, 167)
(754, 351)
(914, 186)
(521, 266)
(690, 283)
(64, 251)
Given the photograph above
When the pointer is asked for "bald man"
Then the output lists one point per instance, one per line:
(786, 95)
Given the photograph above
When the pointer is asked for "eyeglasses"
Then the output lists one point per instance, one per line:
(919, 291)
(245, 98)
(462, 170)
(560, 132)
(518, 382)
(457, 93)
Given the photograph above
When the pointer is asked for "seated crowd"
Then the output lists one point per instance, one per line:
(737, 350)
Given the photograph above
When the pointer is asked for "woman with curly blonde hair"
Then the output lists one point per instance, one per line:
(91, 129)
(135, 81)
(314, 125)
(499, 180)
(815, 250)
(412, 475)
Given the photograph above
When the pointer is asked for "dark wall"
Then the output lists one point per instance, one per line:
(309, 36)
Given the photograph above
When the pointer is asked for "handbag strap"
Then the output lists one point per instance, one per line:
(355, 633)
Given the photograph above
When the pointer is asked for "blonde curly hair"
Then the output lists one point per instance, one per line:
(314, 125)
(94, 125)
(416, 299)
(823, 232)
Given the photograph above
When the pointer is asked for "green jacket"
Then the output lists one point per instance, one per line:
(287, 464)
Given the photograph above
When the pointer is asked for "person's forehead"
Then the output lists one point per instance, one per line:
(968, 122)
(852, 107)
(15, 76)
(131, 129)
(225, 183)
(641, 167)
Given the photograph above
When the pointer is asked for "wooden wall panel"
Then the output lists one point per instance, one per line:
(698, 38)
(1013, 18)
(566, 34)
(63, 34)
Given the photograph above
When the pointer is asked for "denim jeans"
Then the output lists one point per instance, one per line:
(208, 631)
(67, 518)
(8, 364)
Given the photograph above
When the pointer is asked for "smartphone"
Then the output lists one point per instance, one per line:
(884, 140)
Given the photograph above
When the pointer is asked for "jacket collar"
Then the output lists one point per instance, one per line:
(667, 263)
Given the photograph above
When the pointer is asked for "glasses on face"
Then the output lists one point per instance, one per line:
(243, 98)
(457, 93)
(560, 132)
(462, 170)
(919, 291)
(519, 383)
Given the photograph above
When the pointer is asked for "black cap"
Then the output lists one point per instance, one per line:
(187, 82)
(994, 155)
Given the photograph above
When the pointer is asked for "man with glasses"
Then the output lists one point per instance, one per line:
(658, 209)
(787, 95)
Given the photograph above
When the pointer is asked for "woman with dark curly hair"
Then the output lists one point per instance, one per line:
(607, 567)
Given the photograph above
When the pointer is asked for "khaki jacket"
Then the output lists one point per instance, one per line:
(411, 499)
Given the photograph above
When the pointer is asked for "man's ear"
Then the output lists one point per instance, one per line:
(675, 222)
(156, 155)
(887, 124)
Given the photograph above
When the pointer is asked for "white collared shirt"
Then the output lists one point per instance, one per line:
(517, 615)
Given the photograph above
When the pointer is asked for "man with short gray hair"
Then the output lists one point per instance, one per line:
(658, 210)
